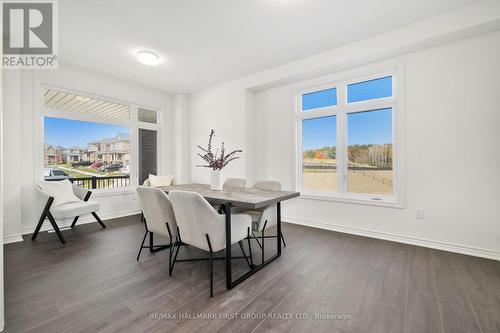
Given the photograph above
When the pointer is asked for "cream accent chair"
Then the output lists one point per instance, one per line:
(159, 219)
(231, 183)
(202, 227)
(66, 210)
(265, 217)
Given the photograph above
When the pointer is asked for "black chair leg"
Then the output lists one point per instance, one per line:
(250, 248)
(262, 240)
(170, 251)
(142, 244)
(39, 225)
(244, 254)
(257, 240)
(74, 221)
(151, 242)
(283, 239)
(56, 228)
(42, 217)
(175, 256)
(98, 219)
(211, 258)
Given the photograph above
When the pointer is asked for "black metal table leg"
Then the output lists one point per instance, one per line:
(278, 244)
(227, 211)
(230, 284)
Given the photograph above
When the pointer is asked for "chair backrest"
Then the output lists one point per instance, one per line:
(62, 191)
(235, 182)
(157, 210)
(267, 185)
(146, 183)
(196, 218)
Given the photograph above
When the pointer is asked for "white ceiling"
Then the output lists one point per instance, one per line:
(208, 42)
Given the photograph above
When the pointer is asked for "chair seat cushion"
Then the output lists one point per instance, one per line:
(74, 209)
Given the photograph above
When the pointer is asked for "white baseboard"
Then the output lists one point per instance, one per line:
(12, 239)
(66, 223)
(468, 250)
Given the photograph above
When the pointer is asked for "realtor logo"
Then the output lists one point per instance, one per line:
(29, 35)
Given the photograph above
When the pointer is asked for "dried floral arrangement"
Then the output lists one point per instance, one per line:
(216, 161)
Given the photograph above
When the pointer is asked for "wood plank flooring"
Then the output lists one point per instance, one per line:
(324, 282)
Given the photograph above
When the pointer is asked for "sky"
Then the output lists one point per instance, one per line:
(373, 127)
(68, 133)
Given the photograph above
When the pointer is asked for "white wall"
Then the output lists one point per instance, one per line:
(452, 124)
(2, 206)
(181, 138)
(213, 111)
(20, 213)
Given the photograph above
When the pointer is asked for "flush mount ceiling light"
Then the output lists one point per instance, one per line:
(148, 58)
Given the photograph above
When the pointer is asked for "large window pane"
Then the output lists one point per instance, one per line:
(92, 155)
(319, 163)
(370, 152)
(147, 154)
(363, 91)
(319, 99)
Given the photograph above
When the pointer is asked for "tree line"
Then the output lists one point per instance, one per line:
(376, 155)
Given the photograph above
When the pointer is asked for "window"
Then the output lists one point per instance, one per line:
(147, 153)
(319, 153)
(347, 145)
(145, 115)
(369, 152)
(91, 140)
(372, 89)
(319, 99)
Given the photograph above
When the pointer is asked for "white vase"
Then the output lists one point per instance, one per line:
(216, 180)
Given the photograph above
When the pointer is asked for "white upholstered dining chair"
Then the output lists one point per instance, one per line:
(265, 217)
(234, 183)
(231, 183)
(159, 219)
(202, 227)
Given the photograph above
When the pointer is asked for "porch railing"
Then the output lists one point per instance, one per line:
(94, 182)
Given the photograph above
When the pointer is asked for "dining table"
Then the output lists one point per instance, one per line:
(246, 198)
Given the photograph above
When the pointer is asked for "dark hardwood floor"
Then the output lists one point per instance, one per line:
(93, 283)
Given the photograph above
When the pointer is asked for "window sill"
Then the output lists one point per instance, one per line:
(96, 193)
(389, 203)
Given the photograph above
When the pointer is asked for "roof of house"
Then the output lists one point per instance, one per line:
(118, 137)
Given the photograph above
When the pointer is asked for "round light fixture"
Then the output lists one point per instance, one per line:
(148, 58)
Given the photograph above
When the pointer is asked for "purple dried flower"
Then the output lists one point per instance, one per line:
(216, 161)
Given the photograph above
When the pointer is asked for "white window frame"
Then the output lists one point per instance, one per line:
(132, 123)
(341, 110)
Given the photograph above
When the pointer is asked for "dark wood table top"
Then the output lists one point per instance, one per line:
(241, 197)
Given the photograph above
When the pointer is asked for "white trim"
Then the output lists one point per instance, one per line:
(83, 220)
(12, 239)
(450, 247)
(368, 200)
